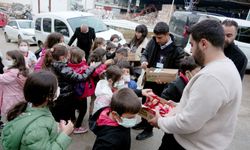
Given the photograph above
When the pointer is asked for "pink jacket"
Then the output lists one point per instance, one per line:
(11, 89)
(39, 63)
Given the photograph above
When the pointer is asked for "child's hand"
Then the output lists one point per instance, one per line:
(109, 62)
(66, 128)
(147, 92)
(95, 64)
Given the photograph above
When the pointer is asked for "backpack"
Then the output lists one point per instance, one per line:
(85, 89)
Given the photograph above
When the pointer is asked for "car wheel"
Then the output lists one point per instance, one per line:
(19, 38)
(6, 37)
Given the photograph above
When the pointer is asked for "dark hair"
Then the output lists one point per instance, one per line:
(110, 46)
(114, 36)
(97, 55)
(210, 30)
(125, 64)
(142, 29)
(125, 101)
(161, 28)
(230, 23)
(98, 41)
(19, 62)
(54, 54)
(123, 51)
(38, 88)
(23, 41)
(76, 55)
(53, 39)
(113, 72)
(187, 64)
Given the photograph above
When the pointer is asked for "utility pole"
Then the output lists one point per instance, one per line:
(39, 9)
(49, 5)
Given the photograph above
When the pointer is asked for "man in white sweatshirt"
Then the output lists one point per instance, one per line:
(206, 116)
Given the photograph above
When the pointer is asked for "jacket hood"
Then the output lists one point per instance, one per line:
(103, 88)
(79, 68)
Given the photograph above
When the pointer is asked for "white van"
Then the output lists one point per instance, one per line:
(67, 22)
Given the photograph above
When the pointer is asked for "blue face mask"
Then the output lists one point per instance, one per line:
(127, 123)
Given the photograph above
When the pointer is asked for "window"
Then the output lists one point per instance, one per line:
(47, 25)
(38, 24)
(11, 23)
(61, 27)
(25, 24)
(243, 35)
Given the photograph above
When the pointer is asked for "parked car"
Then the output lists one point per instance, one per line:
(20, 30)
(67, 22)
(181, 20)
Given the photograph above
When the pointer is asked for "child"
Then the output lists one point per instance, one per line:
(87, 88)
(127, 71)
(121, 54)
(12, 81)
(111, 49)
(31, 125)
(111, 125)
(56, 60)
(99, 43)
(105, 86)
(29, 56)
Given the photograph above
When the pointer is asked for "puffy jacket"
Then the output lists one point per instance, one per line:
(35, 129)
(173, 57)
(67, 77)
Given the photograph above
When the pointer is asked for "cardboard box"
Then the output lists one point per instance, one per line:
(164, 75)
(133, 57)
(148, 109)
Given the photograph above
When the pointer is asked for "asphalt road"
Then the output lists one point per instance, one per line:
(85, 141)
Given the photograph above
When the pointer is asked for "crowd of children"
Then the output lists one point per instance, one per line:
(37, 92)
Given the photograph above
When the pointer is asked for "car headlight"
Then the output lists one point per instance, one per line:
(28, 34)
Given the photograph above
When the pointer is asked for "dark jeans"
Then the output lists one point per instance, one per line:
(169, 142)
(157, 89)
(81, 106)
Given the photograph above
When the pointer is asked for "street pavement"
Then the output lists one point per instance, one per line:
(85, 141)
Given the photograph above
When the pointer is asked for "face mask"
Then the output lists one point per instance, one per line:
(120, 84)
(57, 93)
(126, 78)
(9, 63)
(24, 48)
(127, 123)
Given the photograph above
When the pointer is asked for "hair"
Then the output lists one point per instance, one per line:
(113, 72)
(125, 64)
(97, 55)
(113, 37)
(110, 46)
(37, 91)
(187, 64)
(210, 30)
(123, 51)
(98, 42)
(125, 101)
(19, 62)
(230, 23)
(54, 54)
(53, 39)
(76, 55)
(23, 41)
(161, 28)
(142, 29)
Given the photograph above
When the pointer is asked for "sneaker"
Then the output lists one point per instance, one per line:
(139, 126)
(80, 130)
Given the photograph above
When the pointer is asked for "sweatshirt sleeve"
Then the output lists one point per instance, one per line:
(8, 77)
(39, 139)
(201, 105)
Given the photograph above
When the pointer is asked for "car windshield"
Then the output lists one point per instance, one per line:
(26, 24)
(243, 34)
(91, 21)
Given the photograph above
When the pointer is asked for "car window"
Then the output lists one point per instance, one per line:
(38, 24)
(90, 21)
(243, 34)
(25, 24)
(47, 25)
(61, 27)
(11, 23)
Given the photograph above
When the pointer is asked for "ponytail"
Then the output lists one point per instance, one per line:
(16, 110)
(48, 59)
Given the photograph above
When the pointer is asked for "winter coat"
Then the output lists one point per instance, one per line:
(11, 85)
(172, 58)
(67, 78)
(39, 63)
(35, 129)
(109, 137)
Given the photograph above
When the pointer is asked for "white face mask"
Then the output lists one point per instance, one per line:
(120, 84)
(57, 93)
(127, 123)
(9, 63)
(126, 78)
(24, 48)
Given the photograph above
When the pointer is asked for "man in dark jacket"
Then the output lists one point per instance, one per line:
(85, 36)
(231, 50)
(160, 52)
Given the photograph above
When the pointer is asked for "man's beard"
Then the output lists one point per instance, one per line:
(199, 57)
